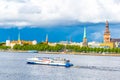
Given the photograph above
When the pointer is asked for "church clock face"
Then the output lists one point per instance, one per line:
(106, 38)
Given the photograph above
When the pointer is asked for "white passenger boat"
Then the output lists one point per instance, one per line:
(49, 61)
(32, 51)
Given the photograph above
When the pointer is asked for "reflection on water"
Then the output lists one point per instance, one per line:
(13, 67)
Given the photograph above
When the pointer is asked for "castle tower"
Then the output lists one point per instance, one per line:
(107, 33)
(85, 44)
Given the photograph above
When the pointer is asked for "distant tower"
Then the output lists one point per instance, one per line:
(70, 39)
(85, 44)
(19, 41)
(107, 33)
(47, 38)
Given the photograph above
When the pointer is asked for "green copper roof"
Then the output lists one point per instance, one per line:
(84, 32)
(19, 36)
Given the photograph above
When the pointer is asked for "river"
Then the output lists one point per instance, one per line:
(13, 67)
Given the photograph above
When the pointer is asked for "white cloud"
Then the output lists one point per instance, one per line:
(43, 12)
(17, 0)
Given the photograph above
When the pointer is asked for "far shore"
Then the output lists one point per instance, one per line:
(91, 54)
(71, 53)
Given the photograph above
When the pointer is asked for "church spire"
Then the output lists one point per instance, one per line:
(85, 44)
(107, 28)
(70, 39)
(47, 38)
(19, 41)
(19, 36)
(84, 32)
(107, 24)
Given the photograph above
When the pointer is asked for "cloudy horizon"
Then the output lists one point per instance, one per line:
(51, 12)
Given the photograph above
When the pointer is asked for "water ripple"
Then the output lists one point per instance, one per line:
(98, 68)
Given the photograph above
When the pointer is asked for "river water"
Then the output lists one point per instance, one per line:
(13, 67)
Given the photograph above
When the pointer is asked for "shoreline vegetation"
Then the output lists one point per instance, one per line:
(44, 48)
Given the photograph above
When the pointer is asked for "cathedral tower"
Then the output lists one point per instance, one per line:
(107, 33)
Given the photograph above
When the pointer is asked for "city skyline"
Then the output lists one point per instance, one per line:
(81, 34)
(57, 34)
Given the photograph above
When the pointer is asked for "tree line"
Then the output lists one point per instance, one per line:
(66, 48)
(60, 48)
(3, 47)
(40, 47)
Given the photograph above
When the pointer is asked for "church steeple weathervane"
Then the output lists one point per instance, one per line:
(107, 27)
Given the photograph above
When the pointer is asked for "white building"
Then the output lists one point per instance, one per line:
(34, 42)
(66, 43)
(21, 42)
(94, 44)
(7, 42)
(75, 43)
(52, 44)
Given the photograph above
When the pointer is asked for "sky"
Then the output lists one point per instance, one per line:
(60, 19)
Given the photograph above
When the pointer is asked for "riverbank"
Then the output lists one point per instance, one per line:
(97, 54)
(71, 53)
(79, 53)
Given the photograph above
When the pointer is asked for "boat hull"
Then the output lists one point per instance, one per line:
(32, 51)
(51, 64)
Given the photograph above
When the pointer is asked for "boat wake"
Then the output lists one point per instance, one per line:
(102, 68)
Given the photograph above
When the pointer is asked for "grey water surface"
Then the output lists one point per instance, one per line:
(13, 67)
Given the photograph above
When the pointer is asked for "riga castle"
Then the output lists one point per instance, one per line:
(20, 42)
